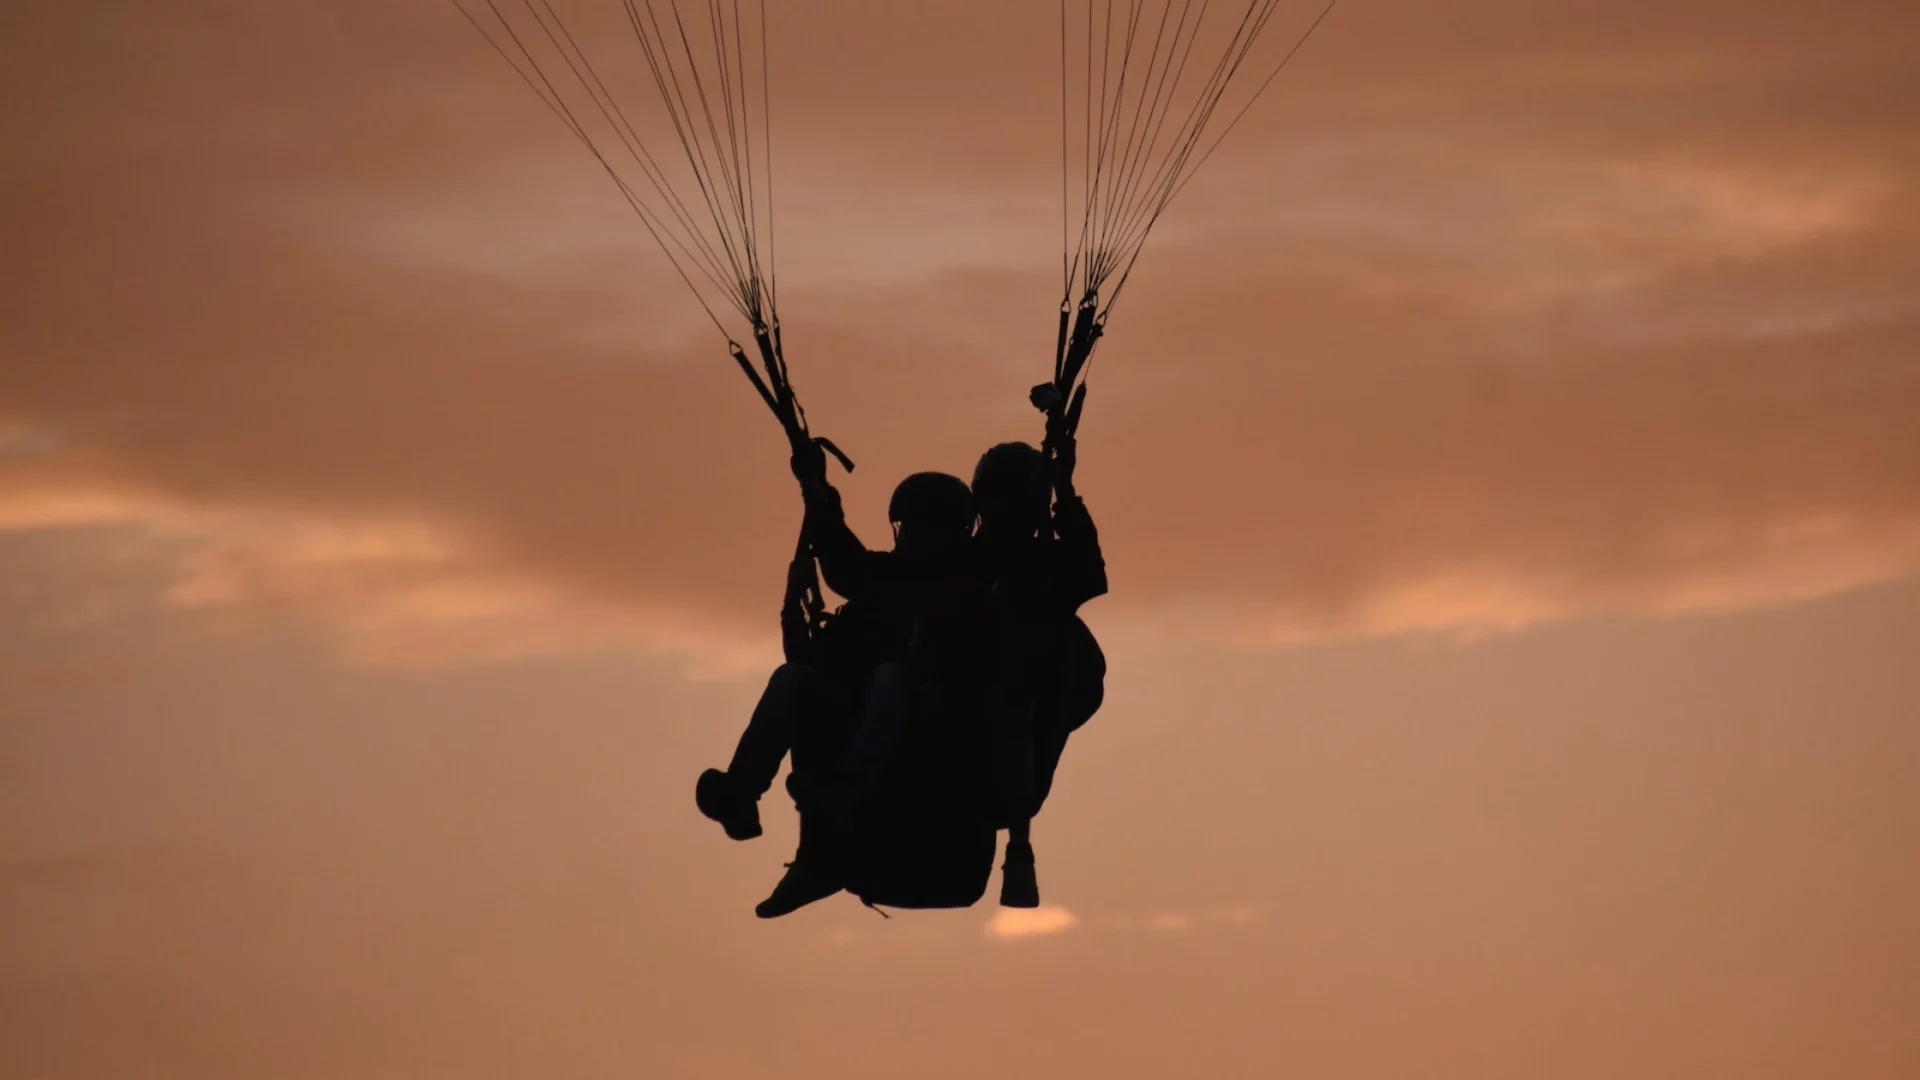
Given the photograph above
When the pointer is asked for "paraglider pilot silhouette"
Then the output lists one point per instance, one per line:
(932, 708)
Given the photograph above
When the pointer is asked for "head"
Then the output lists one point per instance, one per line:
(1011, 491)
(931, 513)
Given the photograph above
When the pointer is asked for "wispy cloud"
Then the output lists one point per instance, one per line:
(386, 591)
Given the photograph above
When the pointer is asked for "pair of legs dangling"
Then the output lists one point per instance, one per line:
(801, 714)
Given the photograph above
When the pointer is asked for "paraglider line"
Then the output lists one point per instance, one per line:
(558, 106)
(1324, 12)
(629, 139)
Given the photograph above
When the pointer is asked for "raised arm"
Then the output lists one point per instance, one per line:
(845, 563)
(1080, 569)
(797, 610)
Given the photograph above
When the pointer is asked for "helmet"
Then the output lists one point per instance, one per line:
(932, 499)
(1012, 471)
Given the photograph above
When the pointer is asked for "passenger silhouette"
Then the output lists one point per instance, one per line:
(1042, 551)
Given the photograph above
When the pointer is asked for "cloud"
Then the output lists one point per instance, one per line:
(384, 592)
(1418, 354)
(1008, 924)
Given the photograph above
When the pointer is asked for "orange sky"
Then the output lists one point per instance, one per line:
(1507, 456)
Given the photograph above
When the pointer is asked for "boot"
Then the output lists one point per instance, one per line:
(720, 797)
(1019, 881)
(804, 883)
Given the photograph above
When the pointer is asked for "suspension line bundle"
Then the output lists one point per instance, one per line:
(1145, 109)
(707, 205)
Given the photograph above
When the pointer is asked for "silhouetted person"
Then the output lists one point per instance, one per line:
(912, 619)
(1042, 551)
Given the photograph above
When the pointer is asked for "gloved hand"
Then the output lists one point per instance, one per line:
(1060, 464)
(809, 464)
(801, 576)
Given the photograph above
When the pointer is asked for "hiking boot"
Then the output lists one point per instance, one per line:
(804, 883)
(1019, 882)
(720, 797)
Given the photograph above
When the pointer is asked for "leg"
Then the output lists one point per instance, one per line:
(769, 734)
(1049, 742)
(838, 790)
(1019, 880)
(1015, 767)
(882, 721)
(1018, 769)
(818, 869)
(1077, 693)
(1020, 836)
(732, 797)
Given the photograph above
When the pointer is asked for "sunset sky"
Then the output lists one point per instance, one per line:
(1507, 460)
